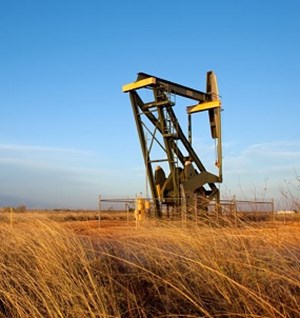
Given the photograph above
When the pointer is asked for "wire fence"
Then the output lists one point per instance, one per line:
(194, 209)
(247, 206)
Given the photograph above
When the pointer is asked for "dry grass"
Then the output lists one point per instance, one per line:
(77, 269)
(63, 215)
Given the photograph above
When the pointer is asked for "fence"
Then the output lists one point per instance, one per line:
(194, 209)
(247, 206)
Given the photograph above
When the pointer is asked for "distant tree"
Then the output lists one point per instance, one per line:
(21, 208)
(7, 208)
(291, 193)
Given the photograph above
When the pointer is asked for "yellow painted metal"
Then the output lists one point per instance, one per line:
(139, 84)
(140, 209)
(203, 106)
(212, 86)
(147, 205)
(215, 119)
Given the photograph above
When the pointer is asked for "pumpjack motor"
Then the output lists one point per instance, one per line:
(175, 173)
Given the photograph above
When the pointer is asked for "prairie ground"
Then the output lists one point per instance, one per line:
(75, 264)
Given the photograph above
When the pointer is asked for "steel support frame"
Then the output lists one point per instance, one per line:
(156, 112)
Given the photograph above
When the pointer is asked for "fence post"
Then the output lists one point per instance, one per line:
(11, 216)
(183, 206)
(99, 213)
(273, 209)
(234, 210)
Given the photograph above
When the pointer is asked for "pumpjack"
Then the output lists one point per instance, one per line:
(164, 142)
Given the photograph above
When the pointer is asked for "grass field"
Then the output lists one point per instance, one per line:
(67, 264)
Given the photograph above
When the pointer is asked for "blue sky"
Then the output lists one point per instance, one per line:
(67, 132)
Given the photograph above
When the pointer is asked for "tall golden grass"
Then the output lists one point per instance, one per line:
(164, 270)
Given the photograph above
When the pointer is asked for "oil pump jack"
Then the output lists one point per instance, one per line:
(187, 181)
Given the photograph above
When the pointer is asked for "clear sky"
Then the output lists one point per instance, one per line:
(67, 132)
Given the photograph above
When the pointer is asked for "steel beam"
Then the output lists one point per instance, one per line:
(177, 89)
